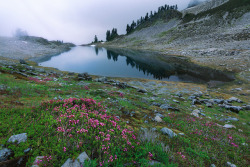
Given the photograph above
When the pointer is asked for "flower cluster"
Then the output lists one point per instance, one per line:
(86, 121)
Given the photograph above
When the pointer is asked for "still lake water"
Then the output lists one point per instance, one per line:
(131, 63)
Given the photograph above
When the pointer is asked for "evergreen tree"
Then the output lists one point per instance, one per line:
(108, 35)
(151, 14)
(128, 29)
(95, 39)
(146, 17)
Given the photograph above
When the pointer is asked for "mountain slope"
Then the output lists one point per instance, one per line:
(220, 33)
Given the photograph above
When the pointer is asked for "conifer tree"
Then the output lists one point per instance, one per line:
(108, 35)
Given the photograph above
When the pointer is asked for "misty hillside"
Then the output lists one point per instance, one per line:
(219, 29)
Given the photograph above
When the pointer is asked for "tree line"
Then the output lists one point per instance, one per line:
(149, 17)
(163, 11)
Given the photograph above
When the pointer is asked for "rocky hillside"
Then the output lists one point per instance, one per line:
(216, 37)
(207, 5)
(27, 47)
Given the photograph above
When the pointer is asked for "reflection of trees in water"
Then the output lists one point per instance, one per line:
(113, 55)
(96, 50)
(147, 69)
(174, 66)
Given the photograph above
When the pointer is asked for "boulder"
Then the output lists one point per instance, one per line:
(18, 138)
(169, 132)
(79, 162)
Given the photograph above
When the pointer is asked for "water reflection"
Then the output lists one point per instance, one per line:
(132, 63)
(164, 66)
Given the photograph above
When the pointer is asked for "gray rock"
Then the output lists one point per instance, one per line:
(209, 105)
(196, 113)
(218, 101)
(158, 119)
(229, 119)
(160, 115)
(79, 162)
(202, 114)
(22, 61)
(19, 138)
(198, 94)
(27, 150)
(228, 126)
(191, 97)
(5, 154)
(36, 160)
(156, 104)
(176, 101)
(165, 106)
(169, 132)
(179, 94)
(153, 162)
(234, 99)
(229, 164)
(247, 107)
(102, 79)
(142, 90)
(233, 108)
(212, 165)
(195, 101)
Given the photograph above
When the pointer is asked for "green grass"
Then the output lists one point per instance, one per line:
(24, 108)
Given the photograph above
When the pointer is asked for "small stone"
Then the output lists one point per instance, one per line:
(229, 164)
(19, 138)
(195, 101)
(27, 150)
(181, 134)
(176, 101)
(153, 162)
(240, 130)
(35, 164)
(198, 94)
(196, 113)
(212, 165)
(165, 106)
(209, 105)
(169, 132)
(156, 104)
(22, 61)
(158, 119)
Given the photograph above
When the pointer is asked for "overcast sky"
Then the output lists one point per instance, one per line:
(74, 21)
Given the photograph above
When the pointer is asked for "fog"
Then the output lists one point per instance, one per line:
(74, 21)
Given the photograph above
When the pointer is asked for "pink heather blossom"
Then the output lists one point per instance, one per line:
(64, 149)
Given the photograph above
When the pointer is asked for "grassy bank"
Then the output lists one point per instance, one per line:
(116, 125)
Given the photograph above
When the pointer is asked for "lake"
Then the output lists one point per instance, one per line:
(132, 64)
